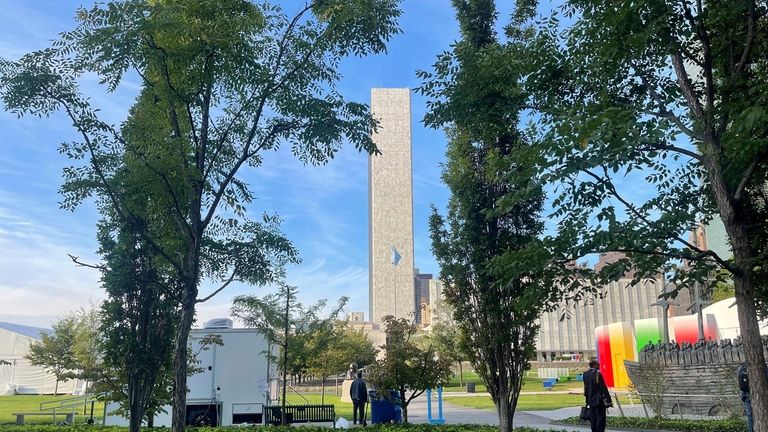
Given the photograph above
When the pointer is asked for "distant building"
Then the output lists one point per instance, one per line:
(356, 317)
(567, 332)
(421, 294)
(17, 374)
(437, 309)
(390, 201)
(717, 239)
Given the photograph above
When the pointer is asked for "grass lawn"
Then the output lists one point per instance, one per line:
(31, 403)
(538, 402)
(529, 384)
(343, 409)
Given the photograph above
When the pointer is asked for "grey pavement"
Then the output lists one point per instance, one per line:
(454, 414)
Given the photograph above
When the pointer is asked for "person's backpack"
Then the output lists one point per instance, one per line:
(743, 379)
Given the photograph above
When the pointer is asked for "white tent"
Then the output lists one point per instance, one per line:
(17, 375)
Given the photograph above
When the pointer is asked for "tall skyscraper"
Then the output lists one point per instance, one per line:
(421, 294)
(390, 207)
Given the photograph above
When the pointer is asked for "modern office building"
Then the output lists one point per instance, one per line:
(390, 207)
(570, 330)
(717, 239)
(421, 294)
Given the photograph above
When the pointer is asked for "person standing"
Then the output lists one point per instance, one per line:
(359, 395)
(744, 392)
(597, 397)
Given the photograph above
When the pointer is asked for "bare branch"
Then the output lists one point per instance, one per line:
(219, 289)
(76, 260)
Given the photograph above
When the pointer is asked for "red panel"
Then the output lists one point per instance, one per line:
(604, 354)
(686, 329)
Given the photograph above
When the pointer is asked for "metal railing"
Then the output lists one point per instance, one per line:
(73, 402)
(720, 400)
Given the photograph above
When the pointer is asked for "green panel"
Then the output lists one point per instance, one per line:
(646, 330)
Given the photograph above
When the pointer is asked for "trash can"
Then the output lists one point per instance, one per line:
(470, 387)
(384, 410)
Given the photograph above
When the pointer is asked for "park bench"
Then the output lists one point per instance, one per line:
(69, 417)
(300, 414)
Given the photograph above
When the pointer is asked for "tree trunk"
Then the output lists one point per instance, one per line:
(56, 388)
(753, 350)
(181, 344)
(745, 292)
(322, 390)
(461, 375)
(505, 414)
(283, 418)
(404, 406)
(134, 409)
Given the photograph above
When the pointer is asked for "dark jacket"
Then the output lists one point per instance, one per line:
(357, 390)
(595, 388)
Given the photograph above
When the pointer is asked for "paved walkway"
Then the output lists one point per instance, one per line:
(454, 414)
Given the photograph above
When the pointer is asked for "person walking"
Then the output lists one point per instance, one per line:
(359, 394)
(597, 397)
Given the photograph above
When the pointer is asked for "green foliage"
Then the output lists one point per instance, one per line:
(618, 101)
(138, 322)
(727, 425)
(311, 328)
(54, 352)
(331, 349)
(665, 94)
(487, 248)
(406, 368)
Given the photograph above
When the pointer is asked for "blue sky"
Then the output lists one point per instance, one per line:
(324, 208)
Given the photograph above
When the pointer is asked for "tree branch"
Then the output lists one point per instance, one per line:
(748, 175)
(631, 207)
(219, 289)
(112, 196)
(686, 86)
(77, 261)
(669, 147)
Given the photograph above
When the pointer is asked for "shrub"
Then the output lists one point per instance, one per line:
(676, 425)
(371, 428)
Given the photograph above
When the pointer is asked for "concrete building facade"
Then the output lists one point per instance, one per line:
(618, 301)
(390, 202)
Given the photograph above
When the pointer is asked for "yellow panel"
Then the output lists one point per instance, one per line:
(622, 348)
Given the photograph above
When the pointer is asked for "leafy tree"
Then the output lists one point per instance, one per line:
(86, 348)
(54, 351)
(223, 83)
(406, 367)
(668, 94)
(139, 318)
(488, 250)
(445, 335)
(289, 325)
(333, 348)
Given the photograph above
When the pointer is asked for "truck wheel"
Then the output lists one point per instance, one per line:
(202, 418)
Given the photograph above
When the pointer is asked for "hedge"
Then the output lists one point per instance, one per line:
(669, 424)
(371, 428)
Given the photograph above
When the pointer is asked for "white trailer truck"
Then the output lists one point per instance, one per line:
(232, 386)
